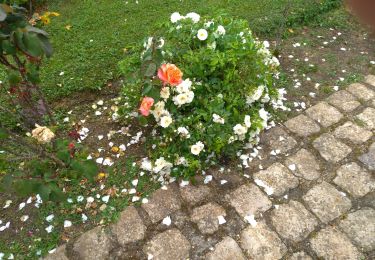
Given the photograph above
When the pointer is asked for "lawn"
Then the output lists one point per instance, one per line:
(89, 38)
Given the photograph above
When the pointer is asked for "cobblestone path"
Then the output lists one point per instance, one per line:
(311, 196)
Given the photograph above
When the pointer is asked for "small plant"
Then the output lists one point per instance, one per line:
(206, 85)
(22, 48)
(38, 164)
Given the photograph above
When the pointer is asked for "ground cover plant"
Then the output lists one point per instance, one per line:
(79, 63)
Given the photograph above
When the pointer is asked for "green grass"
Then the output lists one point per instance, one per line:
(88, 53)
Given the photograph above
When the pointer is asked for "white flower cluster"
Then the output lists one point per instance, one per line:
(184, 93)
(176, 16)
(269, 59)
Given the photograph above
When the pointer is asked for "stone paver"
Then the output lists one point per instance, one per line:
(94, 244)
(330, 243)
(292, 221)
(367, 117)
(302, 126)
(330, 148)
(369, 158)
(162, 203)
(361, 91)
(352, 132)
(169, 245)
(248, 200)
(193, 195)
(227, 249)
(129, 227)
(304, 165)
(276, 179)
(59, 254)
(326, 202)
(355, 180)
(260, 242)
(278, 139)
(359, 226)
(300, 256)
(206, 217)
(370, 79)
(343, 100)
(324, 114)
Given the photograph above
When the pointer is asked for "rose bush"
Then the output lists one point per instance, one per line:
(206, 86)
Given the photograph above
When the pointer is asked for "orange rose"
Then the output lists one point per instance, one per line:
(146, 105)
(170, 74)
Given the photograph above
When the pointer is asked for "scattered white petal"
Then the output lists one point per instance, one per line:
(135, 182)
(135, 198)
(222, 182)
(24, 218)
(105, 199)
(21, 206)
(167, 221)
(221, 220)
(292, 167)
(207, 179)
(184, 183)
(267, 189)
(49, 229)
(67, 223)
(50, 218)
(251, 220)
(84, 218)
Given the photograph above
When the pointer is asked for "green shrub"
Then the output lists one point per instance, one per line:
(222, 104)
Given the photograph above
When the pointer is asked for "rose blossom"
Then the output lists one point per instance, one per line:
(42, 134)
(146, 105)
(170, 74)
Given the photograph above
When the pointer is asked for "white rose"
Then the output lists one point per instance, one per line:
(193, 16)
(263, 114)
(190, 96)
(164, 93)
(165, 121)
(202, 34)
(183, 132)
(184, 86)
(175, 17)
(146, 165)
(218, 119)
(42, 134)
(220, 30)
(247, 121)
(180, 99)
(240, 129)
(161, 165)
(197, 148)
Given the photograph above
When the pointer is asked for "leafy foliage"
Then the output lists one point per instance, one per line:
(220, 106)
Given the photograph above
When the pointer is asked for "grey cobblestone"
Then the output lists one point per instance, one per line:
(261, 243)
(361, 91)
(369, 158)
(330, 243)
(326, 202)
(324, 114)
(129, 227)
(276, 179)
(292, 221)
(169, 245)
(278, 139)
(248, 200)
(303, 164)
(207, 217)
(302, 126)
(352, 132)
(94, 244)
(359, 226)
(355, 180)
(367, 117)
(162, 203)
(370, 79)
(330, 148)
(195, 194)
(227, 249)
(343, 100)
